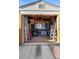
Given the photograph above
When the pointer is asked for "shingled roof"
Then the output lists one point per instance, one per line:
(35, 3)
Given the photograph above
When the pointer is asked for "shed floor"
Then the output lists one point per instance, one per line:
(39, 39)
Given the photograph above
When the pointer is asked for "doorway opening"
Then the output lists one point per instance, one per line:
(39, 28)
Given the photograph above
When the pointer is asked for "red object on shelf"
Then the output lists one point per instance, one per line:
(30, 33)
(35, 18)
(41, 18)
(50, 18)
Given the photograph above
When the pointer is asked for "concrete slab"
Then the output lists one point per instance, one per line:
(24, 52)
(35, 52)
(46, 52)
(56, 51)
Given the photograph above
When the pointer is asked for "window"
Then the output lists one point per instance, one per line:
(40, 26)
(40, 6)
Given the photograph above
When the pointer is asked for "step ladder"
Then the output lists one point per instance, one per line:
(53, 33)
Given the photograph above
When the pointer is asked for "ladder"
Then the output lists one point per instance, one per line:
(53, 35)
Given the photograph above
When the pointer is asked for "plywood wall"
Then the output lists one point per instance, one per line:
(58, 29)
(21, 30)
